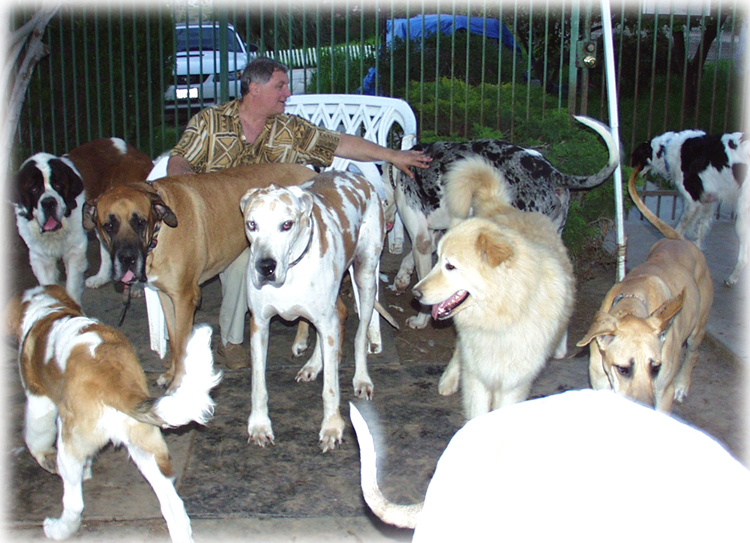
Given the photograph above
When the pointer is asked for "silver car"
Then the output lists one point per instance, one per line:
(198, 65)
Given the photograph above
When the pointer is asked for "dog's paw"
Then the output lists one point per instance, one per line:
(58, 529)
(331, 433)
(260, 434)
(298, 349)
(363, 389)
(96, 281)
(448, 384)
(418, 321)
(400, 283)
(47, 459)
(309, 372)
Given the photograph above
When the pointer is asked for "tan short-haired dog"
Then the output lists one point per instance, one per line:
(638, 333)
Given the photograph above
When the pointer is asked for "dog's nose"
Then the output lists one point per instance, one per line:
(266, 267)
(127, 260)
(417, 294)
(49, 204)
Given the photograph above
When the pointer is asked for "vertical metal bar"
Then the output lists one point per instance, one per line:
(572, 69)
(421, 71)
(407, 70)
(162, 114)
(97, 65)
(52, 79)
(346, 49)
(546, 56)
(513, 77)
(223, 55)
(111, 71)
(437, 71)
(74, 73)
(561, 71)
(498, 119)
(86, 75)
(453, 69)
(530, 46)
(467, 85)
(123, 74)
(614, 124)
(669, 71)
(484, 60)
(64, 86)
(136, 70)
(730, 78)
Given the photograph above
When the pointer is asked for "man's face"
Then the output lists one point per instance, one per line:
(272, 95)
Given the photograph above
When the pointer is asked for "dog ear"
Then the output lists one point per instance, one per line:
(603, 329)
(493, 249)
(162, 212)
(661, 319)
(89, 216)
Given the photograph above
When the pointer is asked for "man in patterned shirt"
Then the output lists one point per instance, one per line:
(254, 129)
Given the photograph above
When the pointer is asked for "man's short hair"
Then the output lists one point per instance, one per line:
(259, 70)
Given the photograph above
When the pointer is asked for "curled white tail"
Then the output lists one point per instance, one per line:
(403, 516)
(191, 400)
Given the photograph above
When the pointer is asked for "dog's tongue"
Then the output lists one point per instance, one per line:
(51, 225)
(128, 277)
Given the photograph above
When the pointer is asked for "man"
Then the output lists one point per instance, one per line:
(254, 129)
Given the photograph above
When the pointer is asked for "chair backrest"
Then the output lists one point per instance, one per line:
(371, 117)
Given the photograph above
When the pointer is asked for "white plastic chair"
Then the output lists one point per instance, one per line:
(370, 117)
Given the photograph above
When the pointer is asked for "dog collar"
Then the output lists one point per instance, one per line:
(309, 243)
(154, 241)
(620, 297)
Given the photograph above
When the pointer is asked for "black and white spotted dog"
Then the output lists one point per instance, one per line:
(537, 186)
(706, 169)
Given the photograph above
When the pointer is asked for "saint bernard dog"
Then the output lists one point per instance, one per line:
(85, 387)
(706, 169)
(48, 195)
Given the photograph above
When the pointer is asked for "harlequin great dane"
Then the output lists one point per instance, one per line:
(536, 185)
(48, 194)
(302, 241)
(177, 233)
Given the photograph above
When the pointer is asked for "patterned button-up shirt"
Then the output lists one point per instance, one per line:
(214, 140)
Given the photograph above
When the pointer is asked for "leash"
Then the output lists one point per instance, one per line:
(309, 243)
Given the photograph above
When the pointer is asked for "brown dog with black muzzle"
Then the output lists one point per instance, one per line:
(177, 233)
(638, 333)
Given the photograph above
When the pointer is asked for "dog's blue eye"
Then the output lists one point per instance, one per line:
(251, 226)
(287, 225)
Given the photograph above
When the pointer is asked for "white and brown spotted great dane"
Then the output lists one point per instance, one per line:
(302, 241)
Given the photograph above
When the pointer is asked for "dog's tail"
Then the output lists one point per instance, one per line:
(580, 182)
(386, 315)
(403, 516)
(191, 400)
(660, 225)
(473, 186)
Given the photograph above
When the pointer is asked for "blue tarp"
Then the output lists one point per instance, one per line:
(398, 27)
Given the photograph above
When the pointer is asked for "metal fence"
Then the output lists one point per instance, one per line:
(494, 65)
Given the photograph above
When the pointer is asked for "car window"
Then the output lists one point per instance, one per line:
(206, 39)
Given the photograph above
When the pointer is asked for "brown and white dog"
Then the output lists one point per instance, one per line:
(177, 233)
(48, 195)
(85, 387)
(637, 336)
(302, 241)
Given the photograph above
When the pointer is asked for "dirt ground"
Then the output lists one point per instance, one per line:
(221, 476)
